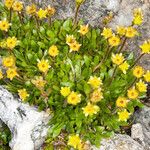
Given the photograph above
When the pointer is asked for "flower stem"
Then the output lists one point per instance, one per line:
(123, 44)
(76, 14)
(10, 14)
(132, 84)
(136, 61)
(103, 59)
(113, 75)
(20, 18)
(49, 21)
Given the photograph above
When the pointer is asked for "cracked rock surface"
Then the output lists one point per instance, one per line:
(143, 118)
(119, 142)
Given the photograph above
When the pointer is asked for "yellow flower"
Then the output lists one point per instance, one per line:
(23, 94)
(42, 13)
(137, 12)
(96, 96)
(145, 47)
(53, 51)
(1, 74)
(121, 102)
(131, 32)
(141, 86)
(65, 91)
(124, 115)
(121, 30)
(117, 58)
(39, 82)
(107, 32)
(11, 73)
(8, 61)
(31, 10)
(74, 141)
(70, 39)
(95, 82)
(114, 40)
(17, 6)
(74, 98)
(132, 93)
(137, 20)
(4, 25)
(43, 65)
(11, 42)
(9, 3)
(50, 10)
(90, 109)
(3, 44)
(138, 16)
(84, 29)
(147, 76)
(138, 71)
(124, 67)
(74, 46)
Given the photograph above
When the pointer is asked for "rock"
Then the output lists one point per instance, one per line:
(28, 126)
(119, 142)
(137, 133)
(143, 117)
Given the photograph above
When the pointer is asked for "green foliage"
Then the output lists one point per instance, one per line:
(5, 137)
(72, 69)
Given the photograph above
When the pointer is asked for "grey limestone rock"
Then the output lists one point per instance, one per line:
(119, 142)
(143, 117)
(28, 126)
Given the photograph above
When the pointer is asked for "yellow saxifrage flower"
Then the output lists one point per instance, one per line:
(96, 96)
(141, 86)
(138, 71)
(138, 16)
(84, 29)
(74, 46)
(3, 44)
(124, 67)
(53, 51)
(8, 61)
(4, 25)
(31, 10)
(50, 10)
(17, 6)
(43, 65)
(11, 42)
(74, 98)
(114, 40)
(121, 102)
(124, 115)
(95, 82)
(132, 93)
(70, 39)
(65, 91)
(147, 76)
(145, 47)
(39, 82)
(107, 32)
(121, 30)
(117, 58)
(1, 74)
(42, 13)
(11, 73)
(131, 32)
(23, 94)
(74, 141)
(9, 3)
(90, 109)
